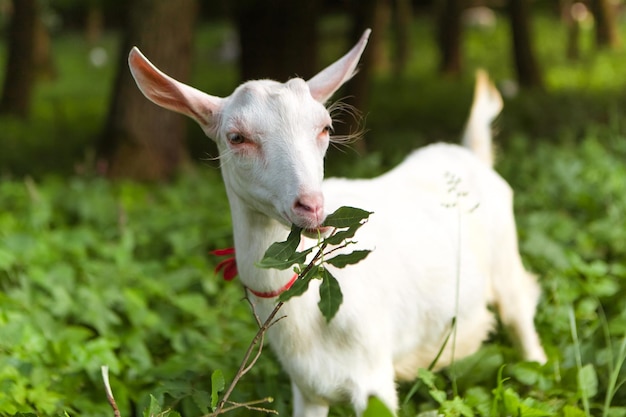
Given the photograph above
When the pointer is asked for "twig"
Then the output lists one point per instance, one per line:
(257, 356)
(244, 367)
(336, 248)
(244, 363)
(107, 387)
(250, 405)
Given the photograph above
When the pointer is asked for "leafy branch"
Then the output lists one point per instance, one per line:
(282, 255)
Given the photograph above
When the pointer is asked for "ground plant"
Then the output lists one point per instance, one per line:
(94, 272)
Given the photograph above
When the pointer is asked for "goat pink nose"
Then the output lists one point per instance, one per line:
(310, 205)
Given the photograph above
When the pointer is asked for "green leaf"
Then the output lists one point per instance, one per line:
(428, 377)
(217, 385)
(376, 408)
(153, 409)
(301, 284)
(588, 381)
(346, 217)
(513, 405)
(341, 235)
(438, 395)
(456, 407)
(341, 261)
(617, 411)
(273, 263)
(330, 295)
(300, 257)
(203, 400)
(282, 255)
(479, 399)
(284, 250)
(282, 264)
(7, 259)
(571, 411)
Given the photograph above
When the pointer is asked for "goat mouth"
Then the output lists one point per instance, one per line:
(308, 229)
(314, 233)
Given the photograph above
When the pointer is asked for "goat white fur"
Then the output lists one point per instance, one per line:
(443, 220)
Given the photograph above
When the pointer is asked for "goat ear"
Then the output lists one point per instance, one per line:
(325, 83)
(173, 95)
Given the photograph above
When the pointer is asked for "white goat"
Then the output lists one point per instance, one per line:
(443, 237)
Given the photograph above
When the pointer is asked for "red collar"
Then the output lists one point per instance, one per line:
(229, 271)
(272, 294)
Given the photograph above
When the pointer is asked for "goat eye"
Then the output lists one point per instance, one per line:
(235, 138)
(329, 129)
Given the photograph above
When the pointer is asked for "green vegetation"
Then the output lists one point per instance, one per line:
(96, 273)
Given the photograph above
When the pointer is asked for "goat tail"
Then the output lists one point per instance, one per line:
(486, 106)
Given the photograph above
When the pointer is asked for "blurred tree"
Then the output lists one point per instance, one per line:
(606, 25)
(141, 140)
(573, 28)
(528, 74)
(20, 72)
(43, 59)
(403, 16)
(373, 14)
(449, 35)
(278, 38)
(94, 22)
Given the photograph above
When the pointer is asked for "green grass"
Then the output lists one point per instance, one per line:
(93, 272)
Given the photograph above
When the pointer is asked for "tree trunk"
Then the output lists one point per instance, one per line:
(372, 14)
(20, 69)
(278, 39)
(528, 73)
(43, 61)
(403, 15)
(449, 36)
(573, 29)
(140, 140)
(94, 23)
(604, 15)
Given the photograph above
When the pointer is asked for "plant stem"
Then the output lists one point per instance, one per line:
(579, 362)
(243, 368)
(258, 338)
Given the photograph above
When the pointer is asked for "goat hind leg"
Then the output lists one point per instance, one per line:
(517, 304)
(379, 384)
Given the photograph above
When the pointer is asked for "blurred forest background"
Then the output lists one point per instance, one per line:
(68, 101)
(110, 205)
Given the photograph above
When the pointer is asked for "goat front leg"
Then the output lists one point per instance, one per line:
(303, 407)
(379, 383)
